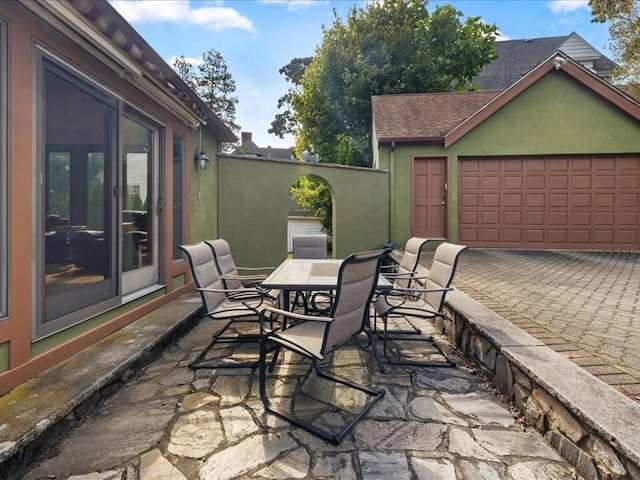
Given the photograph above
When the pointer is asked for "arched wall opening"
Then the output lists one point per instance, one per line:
(310, 209)
(252, 204)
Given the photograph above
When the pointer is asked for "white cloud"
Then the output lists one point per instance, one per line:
(561, 7)
(295, 4)
(195, 61)
(180, 11)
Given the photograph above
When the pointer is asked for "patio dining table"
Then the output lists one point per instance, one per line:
(308, 275)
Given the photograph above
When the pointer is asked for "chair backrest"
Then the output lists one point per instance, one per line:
(443, 268)
(224, 263)
(205, 273)
(310, 246)
(357, 280)
(410, 259)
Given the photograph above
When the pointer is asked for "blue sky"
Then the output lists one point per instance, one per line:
(257, 38)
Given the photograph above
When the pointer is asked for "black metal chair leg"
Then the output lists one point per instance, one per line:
(218, 338)
(334, 438)
(447, 363)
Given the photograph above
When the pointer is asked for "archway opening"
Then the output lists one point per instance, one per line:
(310, 209)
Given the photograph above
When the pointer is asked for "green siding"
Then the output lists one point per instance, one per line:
(554, 116)
(4, 356)
(70, 333)
(178, 280)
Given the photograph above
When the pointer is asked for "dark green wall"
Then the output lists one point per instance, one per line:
(247, 199)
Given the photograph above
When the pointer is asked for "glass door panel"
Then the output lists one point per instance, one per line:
(139, 228)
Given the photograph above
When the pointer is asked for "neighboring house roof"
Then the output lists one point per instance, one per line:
(445, 118)
(517, 57)
(248, 147)
(108, 36)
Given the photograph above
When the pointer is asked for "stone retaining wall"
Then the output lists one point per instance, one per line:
(593, 426)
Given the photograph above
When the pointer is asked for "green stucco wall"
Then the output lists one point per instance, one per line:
(204, 200)
(555, 116)
(253, 201)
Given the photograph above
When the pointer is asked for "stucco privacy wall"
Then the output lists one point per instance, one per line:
(556, 115)
(252, 206)
(203, 193)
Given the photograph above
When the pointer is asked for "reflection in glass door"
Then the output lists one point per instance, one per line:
(78, 206)
(139, 196)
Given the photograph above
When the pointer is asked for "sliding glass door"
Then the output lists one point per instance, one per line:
(98, 200)
(78, 205)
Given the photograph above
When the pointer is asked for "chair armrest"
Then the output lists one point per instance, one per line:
(298, 316)
(405, 294)
(398, 291)
(405, 276)
(248, 280)
(255, 268)
(239, 296)
(240, 277)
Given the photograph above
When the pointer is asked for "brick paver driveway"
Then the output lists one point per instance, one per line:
(584, 305)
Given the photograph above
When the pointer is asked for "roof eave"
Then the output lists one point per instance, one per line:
(438, 139)
(141, 65)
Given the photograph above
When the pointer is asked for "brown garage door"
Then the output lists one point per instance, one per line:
(550, 202)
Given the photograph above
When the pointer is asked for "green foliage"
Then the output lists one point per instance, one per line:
(286, 122)
(624, 29)
(312, 193)
(390, 46)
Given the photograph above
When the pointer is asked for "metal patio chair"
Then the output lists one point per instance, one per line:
(404, 272)
(230, 306)
(315, 337)
(424, 299)
(230, 272)
(311, 247)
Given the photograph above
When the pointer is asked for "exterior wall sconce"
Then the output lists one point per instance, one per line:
(201, 159)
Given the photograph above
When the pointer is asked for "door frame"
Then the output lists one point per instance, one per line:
(140, 281)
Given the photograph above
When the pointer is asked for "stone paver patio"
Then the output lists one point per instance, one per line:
(172, 423)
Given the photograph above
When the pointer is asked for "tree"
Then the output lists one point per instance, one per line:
(286, 122)
(624, 29)
(312, 193)
(390, 46)
(186, 72)
(213, 82)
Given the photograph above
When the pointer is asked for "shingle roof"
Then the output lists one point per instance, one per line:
(517, 57)
(250, 147)
(424, 116)
(447, 117)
